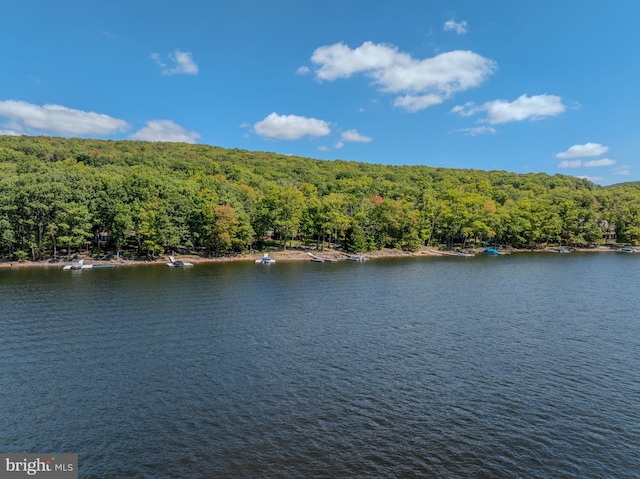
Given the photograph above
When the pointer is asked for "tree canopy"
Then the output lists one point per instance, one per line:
(60, 196)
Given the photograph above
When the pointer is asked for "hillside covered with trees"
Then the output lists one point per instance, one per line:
(61, 196)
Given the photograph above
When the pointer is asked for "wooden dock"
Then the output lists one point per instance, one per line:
(321, 259)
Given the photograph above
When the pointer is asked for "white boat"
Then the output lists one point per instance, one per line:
(266, 259)
(78, 264)
(178, 264)
(627, 249)
(357, 257)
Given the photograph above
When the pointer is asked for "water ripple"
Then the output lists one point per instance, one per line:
(516, 366)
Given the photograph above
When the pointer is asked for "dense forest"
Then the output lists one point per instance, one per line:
(62, 196)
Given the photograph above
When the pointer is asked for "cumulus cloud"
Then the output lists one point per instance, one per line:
(291, 127)
(181, 63)
(56, 119)
(570, 164)
(425, 82)
(303, 71)
(525, 107)
(452, 25)
(9, 133)
(165, 130)
(579, 151)
(602, 162)
(339, 145)
(353, 135)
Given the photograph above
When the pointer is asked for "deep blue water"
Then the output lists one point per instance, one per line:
(519, 366)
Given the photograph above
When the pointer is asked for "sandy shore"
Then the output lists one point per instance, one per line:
(279, 256)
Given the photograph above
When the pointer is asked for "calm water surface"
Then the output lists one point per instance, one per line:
(520, 366)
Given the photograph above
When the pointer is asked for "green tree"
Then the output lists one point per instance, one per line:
(282, 208)
(73, 227)
(221, 232)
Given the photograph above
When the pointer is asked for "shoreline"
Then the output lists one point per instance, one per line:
(283, 256)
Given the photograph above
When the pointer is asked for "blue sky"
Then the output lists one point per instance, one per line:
(546, 86)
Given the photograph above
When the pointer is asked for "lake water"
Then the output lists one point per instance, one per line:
(519, 366)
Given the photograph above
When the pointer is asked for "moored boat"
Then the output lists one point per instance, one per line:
(628, 249)
(490, 251)
(266, 259)
(78, 264)
(175, 263)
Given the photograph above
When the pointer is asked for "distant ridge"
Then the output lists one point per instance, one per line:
(633, 184)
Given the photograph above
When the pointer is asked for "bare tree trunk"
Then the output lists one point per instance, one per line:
(55, 246)
(433, 226)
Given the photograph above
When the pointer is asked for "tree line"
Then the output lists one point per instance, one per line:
(61, 196)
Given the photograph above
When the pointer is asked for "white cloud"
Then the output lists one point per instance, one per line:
(478, 130)
(340, 61)
(303, 71)
(57, 119)
(182, 63)
(323, 148)
(588, 149)
(9, 133)
(622, 170)
(592, 179)
(459, 28)
(291, 127)
(525, 107)
(468, 109)
(416, 103)
(339, 145)
(430, 80)
(353, 135)
(602, 162)
(165, 130)
(156, 57)
(570, 164)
